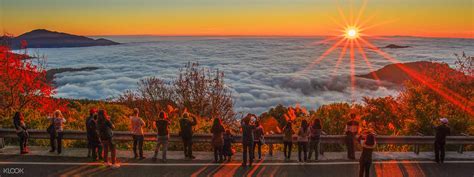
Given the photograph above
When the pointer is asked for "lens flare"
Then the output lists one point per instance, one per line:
(353, 37)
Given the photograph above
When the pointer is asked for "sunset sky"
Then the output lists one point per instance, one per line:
(434, 18)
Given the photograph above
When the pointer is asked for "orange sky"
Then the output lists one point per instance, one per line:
(430, 18)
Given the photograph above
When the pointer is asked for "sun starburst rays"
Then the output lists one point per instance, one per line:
(353, 33)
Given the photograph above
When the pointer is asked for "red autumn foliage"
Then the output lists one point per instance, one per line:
(23, 84)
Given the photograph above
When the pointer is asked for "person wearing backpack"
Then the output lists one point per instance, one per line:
(55, 131)
(288, 139)
(365, 160)
(186, 134)
(138, 136)
(21, 131)
(106, 136)
(258, 139)
(162, 126)
(314, 138)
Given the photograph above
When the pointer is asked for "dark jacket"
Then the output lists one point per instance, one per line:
(162, 127)
(367, 149)
(88, 119)
(247, 133)
(217, 135)
(92, 132)
(441, 132)
(18, 125)
(105, 129)
(187, 127)
(258, 134)
(314, 133)
(227, 148)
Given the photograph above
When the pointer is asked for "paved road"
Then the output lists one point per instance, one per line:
(39, 166)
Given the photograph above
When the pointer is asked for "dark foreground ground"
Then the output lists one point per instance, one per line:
(38, 166)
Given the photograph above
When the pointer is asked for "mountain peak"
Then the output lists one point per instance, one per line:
(43, 38)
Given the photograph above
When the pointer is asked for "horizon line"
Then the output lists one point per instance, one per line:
(265, 36)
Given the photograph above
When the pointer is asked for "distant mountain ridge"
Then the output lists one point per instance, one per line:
(392, 72)
(42, 38)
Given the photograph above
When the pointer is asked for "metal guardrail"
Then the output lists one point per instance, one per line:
(269, 139)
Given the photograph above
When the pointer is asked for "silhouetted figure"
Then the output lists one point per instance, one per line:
(352, 129)
(227, 149)
(55, 131)
(186, 134)
(258, 139)
(442, 131)
(21, 132)
(315, 138)
(138, 136)
(303, 138)
(106, 136)
(217, 131)
(92, 112)
(247, 139)
(162, 126)
(94, 138)
(288, 139)
(365, 160)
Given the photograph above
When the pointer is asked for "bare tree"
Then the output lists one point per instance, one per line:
(204, 93)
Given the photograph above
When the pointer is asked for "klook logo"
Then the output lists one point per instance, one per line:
(13, 171)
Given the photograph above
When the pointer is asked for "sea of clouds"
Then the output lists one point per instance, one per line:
(261, 72)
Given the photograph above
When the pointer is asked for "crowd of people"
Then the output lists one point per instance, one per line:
(100, 138)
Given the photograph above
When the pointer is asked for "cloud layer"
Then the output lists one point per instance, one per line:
(262, 72)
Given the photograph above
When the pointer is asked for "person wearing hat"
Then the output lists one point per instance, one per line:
(442, 131)
(186, 134)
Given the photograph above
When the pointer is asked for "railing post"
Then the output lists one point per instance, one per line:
(2, 143)
(321, 149)
(270, 147)
(417, 146)
(461, 146)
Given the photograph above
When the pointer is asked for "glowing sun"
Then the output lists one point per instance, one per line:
(352, 33)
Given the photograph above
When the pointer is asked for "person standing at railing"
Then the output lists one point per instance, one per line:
(258, 139)
(352, 129)
(247, 139)
(106, 136)
(94, 138)
(162, 126)
(315, 138)
(55, 131)
(21, 132)
(441, 131)
(186, 134)
(217, 131)
(288, 139)
(227, 148)
(303, 138)
(92, 112)
(365, 161)
(138, 136)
